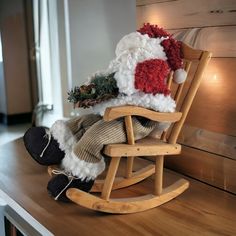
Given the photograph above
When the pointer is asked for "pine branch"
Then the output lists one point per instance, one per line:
(101, 88)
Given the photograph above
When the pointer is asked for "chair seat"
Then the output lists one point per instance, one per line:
(144, 147)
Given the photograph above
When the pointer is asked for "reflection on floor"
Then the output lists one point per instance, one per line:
(12, 132)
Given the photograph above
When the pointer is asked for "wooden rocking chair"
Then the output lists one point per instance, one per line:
(195, 63)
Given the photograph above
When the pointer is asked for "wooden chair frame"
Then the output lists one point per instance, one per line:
(157, 148)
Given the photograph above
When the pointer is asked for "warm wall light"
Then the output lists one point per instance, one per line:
(215, 77)
(214, 80)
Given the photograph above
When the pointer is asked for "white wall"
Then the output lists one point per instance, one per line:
(95, 28)
(83, 36)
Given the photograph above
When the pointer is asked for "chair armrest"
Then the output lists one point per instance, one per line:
(113, 113)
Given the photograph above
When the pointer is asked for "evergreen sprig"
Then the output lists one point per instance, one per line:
(100, 89)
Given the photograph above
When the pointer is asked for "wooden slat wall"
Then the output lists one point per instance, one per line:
(208, 25)
(219, 40)
(214, 107)
(207, 167)
(212, 142)
(16, 69)
(187, 13)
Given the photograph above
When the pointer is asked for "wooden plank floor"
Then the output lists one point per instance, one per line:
(201, 210)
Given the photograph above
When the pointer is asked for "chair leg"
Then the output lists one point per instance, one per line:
(107, 187)
(158, 175)
(131, 141)
(129, 167)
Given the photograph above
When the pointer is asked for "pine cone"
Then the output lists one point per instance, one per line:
(86, 88)
(91, 102)
(101, 89)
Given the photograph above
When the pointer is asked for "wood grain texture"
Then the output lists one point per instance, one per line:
(158, 176)
(214, 106)
(218, 40)
(216, 143)
(201, 210)
(112, 113)
(111, 173)
(207, 167)
(127, 205)
(150, 147)
(192, 89)
(147, 147)
(188, 14)
(17, 84)
(148, 2)
(129, 130)
(207, 25)
(120, 181)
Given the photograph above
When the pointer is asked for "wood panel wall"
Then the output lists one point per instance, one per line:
(209, 135)
(15, 60)
(16, 78)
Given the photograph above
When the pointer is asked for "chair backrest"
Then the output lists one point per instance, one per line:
(195, 62)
